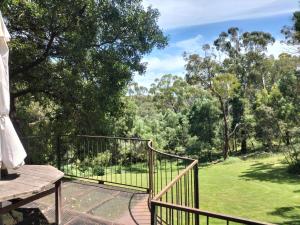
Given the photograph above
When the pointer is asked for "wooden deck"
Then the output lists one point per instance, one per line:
(87, 204)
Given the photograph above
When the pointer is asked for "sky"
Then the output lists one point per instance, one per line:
(189, 24)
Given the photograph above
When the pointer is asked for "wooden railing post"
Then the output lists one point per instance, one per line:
(196, 192)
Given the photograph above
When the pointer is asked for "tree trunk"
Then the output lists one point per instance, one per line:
(244, 142)
(226, 131)
(287, 138)
(235, 143)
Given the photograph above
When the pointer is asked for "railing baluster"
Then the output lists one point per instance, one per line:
(58, 153)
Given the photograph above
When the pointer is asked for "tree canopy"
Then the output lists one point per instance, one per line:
(77, 57)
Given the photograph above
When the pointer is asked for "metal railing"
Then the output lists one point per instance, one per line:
(174, 197)
(172, 181)
(185, 215)
(116, 160)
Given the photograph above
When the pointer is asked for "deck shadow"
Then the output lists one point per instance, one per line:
(25, 216)
(85, 203)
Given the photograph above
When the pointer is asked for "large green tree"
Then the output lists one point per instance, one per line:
(245, 57)
(209, 75)
(78, 55)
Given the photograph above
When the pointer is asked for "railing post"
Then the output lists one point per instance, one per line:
(196, 192)
(153, 214)
(58, 152)
(150, 170)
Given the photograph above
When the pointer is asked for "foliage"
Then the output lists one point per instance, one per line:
(100, 162)
(77, 57)
(266, 126)
(204, 119)
(72, 64)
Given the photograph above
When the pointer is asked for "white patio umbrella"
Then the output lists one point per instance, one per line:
(12, 153)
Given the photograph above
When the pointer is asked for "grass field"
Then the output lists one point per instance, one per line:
(258, 189)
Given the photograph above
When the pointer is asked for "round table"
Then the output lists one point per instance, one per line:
(29, 183)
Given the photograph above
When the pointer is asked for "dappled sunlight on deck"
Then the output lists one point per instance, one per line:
(87, 203)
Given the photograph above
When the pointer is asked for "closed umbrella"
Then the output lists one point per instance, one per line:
(12, 153)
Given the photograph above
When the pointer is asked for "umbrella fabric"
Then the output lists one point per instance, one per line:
(12, 152)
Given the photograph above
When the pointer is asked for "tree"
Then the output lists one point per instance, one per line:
(78, 54)
(245, 57)
(204, 118)
(292, 33)
(174, 93)
(267, 124)
(222, 85)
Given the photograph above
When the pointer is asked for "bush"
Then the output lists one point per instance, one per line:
(101, 161)
(292, 153)
(102, 158)
(119, 170)
(83, 165)
(293, 159)
(98, 170)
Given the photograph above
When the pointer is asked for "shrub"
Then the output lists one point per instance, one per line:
(101, 161)
(292, 152)
(98, 170)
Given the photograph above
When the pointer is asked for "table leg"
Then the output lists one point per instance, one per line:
(58, 203)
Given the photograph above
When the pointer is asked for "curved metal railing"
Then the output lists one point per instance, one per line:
(172, 181)
(175, 201)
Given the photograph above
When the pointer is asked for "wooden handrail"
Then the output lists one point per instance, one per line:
(89, 136)
(207, 213)
(156, 200)
(175, 180)
(168, 154)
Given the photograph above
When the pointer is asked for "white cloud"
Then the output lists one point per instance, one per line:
(191, 45)
(158, 66)
(165, 64)
(181, 13)
(174, 64)
(278, 47)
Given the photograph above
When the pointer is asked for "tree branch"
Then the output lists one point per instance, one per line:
(236, 126)
(39, 60)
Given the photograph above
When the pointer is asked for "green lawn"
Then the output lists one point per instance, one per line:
(255, 188)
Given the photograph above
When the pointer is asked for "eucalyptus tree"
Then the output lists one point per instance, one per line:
(292, 33)
(209, 74)
(174, 93)
(245, 56)
(173, 97)
(78, 54)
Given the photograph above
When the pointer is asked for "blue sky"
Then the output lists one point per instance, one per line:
(191, 23)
